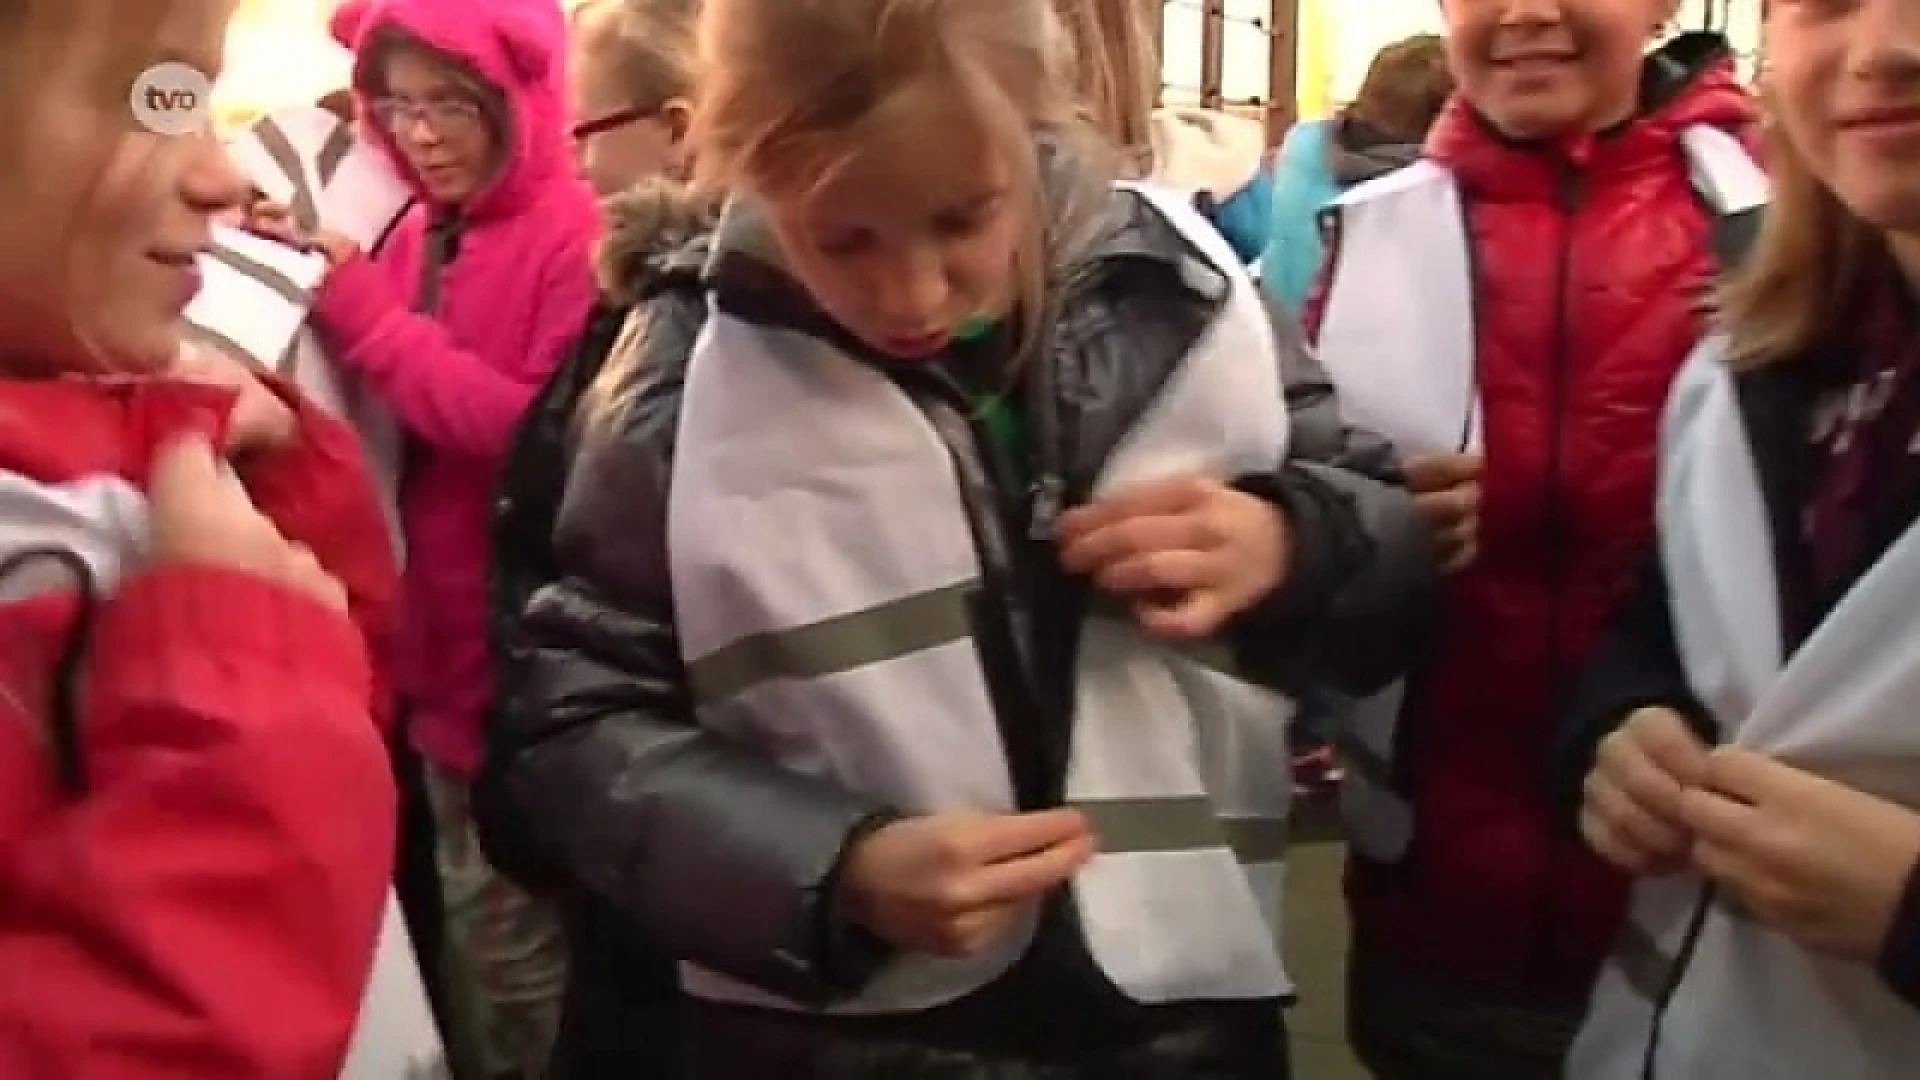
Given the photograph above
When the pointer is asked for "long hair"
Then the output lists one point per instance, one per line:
(1109, 55)
(1812, 270)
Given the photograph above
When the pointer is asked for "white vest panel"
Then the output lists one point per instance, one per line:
(821, 561)
(1752, 1004)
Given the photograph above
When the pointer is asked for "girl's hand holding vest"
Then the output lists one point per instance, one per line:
(259, 420)
(1446, 489)
(202, 516)
(1817, 861)
(1188, 553)
(1641, 773)
(275, 222)
(953, 884)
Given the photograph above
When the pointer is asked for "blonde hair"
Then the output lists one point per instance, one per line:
(1111, 60)
(647, 43)
(1809, 274)
(791, 90)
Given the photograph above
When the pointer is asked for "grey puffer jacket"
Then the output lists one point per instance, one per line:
(606, 785)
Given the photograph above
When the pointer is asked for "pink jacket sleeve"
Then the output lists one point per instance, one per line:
(444, 394)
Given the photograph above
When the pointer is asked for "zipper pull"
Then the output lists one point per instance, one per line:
(1048, 494)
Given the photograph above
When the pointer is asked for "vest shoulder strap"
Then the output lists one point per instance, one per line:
(1732, 185)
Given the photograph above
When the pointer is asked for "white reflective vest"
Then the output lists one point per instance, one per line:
(254, 304)
(1397, 337)
(822, 564)
(256, 293)
(1743, 1002)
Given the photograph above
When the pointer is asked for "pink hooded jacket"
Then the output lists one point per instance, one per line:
(513, 297)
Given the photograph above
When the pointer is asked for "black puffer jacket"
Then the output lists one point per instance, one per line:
(602, 778)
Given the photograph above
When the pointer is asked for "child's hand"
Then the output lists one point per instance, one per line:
(260, 420)
(275, 222)
(1446, 492)
(1189, 553)
(954, 884)
(1632, 814)
(1820, 862)
(333, 246)
(201, 515)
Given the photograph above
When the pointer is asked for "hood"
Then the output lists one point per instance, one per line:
(1207, 150)
(518, 47)
(1356, 153)
(1688, 82)
(645, 225)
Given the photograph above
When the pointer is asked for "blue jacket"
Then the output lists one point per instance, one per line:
(1303, 184)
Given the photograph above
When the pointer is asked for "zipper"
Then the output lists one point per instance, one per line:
(1567, 195)
(1002, 639)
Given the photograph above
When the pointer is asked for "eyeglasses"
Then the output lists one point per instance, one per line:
(441, 115)
(612, 121)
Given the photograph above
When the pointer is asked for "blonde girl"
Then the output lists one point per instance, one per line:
(907, 671)
(197, 820)
(1775, 930)
(632, 78)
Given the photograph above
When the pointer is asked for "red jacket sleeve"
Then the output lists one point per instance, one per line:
(209, 907)
(1315, 305)
(319, 494)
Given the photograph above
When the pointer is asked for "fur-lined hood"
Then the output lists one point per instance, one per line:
(644, 224)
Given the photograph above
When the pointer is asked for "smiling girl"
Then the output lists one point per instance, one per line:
(195, 813)
(1776, 920)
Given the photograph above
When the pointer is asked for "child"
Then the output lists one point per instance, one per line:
(866, 683)
(1775, 930)
(1220, 157)
(196, 824)
(1510, 314)
(1379, 131)
(468, 308)
(632, 74)
(621, 1017)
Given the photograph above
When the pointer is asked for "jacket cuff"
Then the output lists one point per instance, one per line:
(356, 296)
(1899, 962)
(849, 954)
(1326, 546)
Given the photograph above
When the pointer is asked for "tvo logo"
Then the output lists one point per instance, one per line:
(172, 99)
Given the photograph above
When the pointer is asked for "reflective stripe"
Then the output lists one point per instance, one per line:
(272, 278)
(1181, 823)
(340, 142)
(874, 635)
(303, 206)
(857, 639)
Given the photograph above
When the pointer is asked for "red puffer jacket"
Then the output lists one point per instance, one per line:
(1592, 256)
(196, 811)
